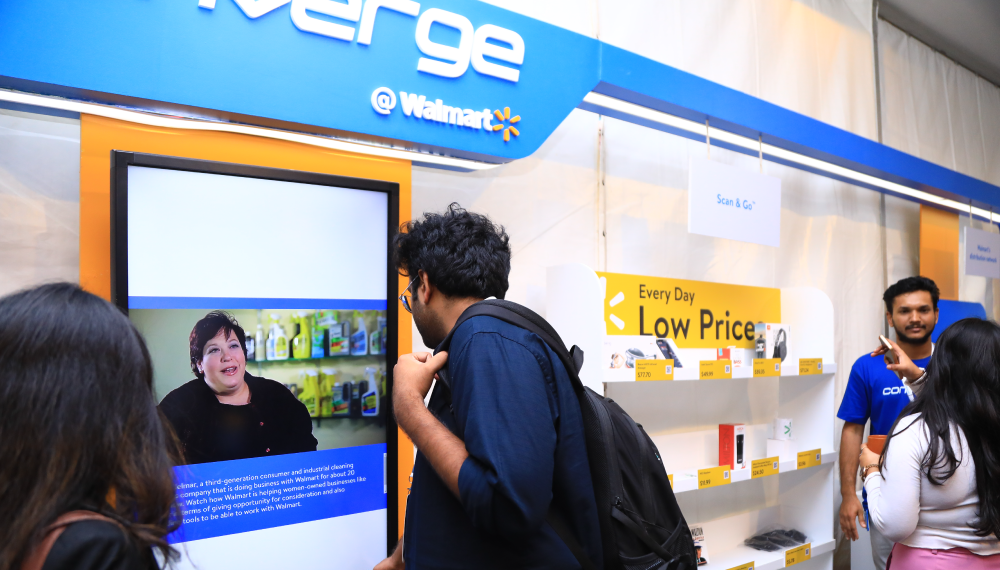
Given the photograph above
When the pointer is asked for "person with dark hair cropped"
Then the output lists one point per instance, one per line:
(227, 413)
(512, 445)
(876, 393)
(86, 474)
(935, 489)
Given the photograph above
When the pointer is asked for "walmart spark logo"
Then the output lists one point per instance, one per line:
(508, 127)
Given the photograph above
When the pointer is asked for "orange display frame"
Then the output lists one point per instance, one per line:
(99, 136)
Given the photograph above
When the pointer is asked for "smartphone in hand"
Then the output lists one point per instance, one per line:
(890, 356)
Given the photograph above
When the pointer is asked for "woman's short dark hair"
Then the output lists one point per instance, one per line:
(963, 388)
(78, 420)
(911, 285)
(208, 328)
(464, 254)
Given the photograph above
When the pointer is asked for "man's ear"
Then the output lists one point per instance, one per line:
(425, 291)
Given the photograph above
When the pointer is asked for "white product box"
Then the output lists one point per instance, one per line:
(784, 449)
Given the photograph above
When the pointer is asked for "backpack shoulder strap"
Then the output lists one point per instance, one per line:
(36, 559)
(529, 320)
(572, 360)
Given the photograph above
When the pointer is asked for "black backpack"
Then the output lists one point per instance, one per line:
(642, 527)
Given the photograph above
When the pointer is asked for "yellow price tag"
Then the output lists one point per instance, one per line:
(810, 458)
(809, 366)
(670, 477)
(763, 467)
(747, 566)
(646, 370)
(766, 367)
(715, 369)
(713, 477)
(798, 554)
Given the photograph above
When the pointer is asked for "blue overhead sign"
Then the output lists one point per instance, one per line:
(454, 77)
(433, 73)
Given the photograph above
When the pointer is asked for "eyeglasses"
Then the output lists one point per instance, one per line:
(405, 298)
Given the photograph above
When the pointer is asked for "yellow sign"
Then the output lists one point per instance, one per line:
(810, 458)
(747, 566)
(809, 366)
(670, 478)
(798, 554)
(715, 369)
(713, 477)
(763, 467)
(695, 314)
(646, 370)
(766, 367)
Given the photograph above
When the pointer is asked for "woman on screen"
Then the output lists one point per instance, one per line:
(226, 413)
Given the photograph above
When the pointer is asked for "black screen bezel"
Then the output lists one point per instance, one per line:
(121, 160)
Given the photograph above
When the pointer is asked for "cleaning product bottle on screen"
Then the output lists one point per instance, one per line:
(341, 403)
(258, 341)
(377, 344)
(359, 340)
(370, 398)
(277, 342)
(355, 406)
(317, 335)
(327, 380)
(251, 353)
(302, 343)
(310, 391)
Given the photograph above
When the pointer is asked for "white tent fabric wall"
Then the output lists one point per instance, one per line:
(942, 112)
(39, 199)
(936, 109)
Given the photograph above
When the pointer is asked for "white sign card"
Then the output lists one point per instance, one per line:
(732, 203)
(982, 253)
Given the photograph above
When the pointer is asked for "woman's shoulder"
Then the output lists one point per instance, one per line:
(96, 545)
(186, 395)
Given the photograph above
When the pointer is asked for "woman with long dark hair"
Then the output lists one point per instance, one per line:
(935, 490)
(80, 437)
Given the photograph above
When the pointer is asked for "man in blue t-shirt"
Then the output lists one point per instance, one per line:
(874, 392)
(511, 444)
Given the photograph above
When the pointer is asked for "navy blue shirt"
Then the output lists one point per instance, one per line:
(515, 408)
(875, 392)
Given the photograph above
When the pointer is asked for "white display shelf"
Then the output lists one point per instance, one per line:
(687, 480)
(762, 560)
(682, 418)
(690, 373)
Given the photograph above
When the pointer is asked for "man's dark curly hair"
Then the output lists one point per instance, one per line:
(910, 285)
(463, 253)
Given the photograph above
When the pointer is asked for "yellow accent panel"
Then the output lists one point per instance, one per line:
(939, 237)
(696, 314)
(99, 136)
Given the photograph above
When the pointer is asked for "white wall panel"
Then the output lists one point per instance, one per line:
(39, 199)
(937, 110)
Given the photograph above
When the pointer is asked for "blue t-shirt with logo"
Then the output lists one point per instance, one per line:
(875, 392)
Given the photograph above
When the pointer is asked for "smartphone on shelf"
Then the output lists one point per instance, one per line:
(669, 351)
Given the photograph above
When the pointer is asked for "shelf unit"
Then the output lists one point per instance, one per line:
(682, 418)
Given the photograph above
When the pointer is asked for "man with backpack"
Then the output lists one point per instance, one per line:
(505, 444)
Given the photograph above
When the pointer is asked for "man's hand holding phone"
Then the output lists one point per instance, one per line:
(897, 360)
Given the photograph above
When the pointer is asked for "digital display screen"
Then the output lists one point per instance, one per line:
(264, 304)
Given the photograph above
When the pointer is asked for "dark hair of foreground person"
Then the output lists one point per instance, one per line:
(79, 428)
(963, 388)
